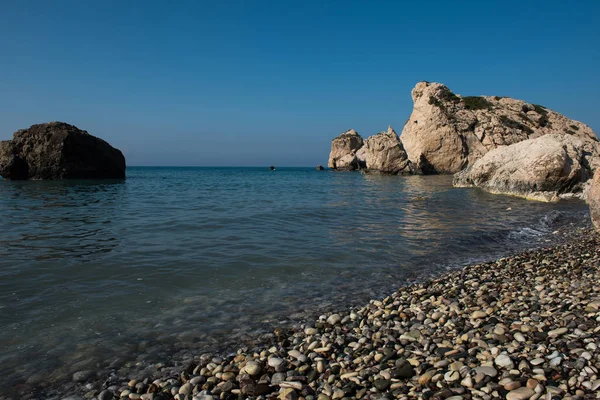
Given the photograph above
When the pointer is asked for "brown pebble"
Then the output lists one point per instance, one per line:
(512, 385)
(532, 383)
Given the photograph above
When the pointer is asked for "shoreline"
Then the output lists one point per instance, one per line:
(442, 338)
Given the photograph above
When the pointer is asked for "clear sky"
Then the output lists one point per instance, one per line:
(272, 82)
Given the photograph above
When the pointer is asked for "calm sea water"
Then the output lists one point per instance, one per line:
(101, 275)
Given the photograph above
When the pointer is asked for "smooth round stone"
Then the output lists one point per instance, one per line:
(537, 361)
(334, 319)
(186, 389)
(426, 377)
(297, 355)
(277, 378)
(310, 331)
(105, 395)
(451, 376)
(275, 362)
(467, 382)
(519, 337)
(557, 332)
(555, 362)
(498, 330)
(522, 393)
(532, 383)
(227, 376)
(478, 314)
(504, 361)
(512, 385)
(382, 384)
(204, 397)
(489, 371)
(252, 368)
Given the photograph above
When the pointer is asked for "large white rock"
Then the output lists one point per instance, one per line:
(545, 168)
(447, 132)
(343, 151)
(384, 152)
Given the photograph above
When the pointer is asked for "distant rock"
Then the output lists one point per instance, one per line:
(447, 132)
(320, 168)
(272, 168)
(546, 168)
(57, 150)
(593, 199)
(384, 153)
(343, 151)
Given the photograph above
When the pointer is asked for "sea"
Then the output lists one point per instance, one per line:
(98, 276)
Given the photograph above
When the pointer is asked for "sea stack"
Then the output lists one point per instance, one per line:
(499, 144)
(57, 150)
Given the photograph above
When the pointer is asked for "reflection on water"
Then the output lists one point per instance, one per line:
(96, 275)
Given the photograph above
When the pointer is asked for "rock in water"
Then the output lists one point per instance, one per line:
(320, 168)
(447, 132)
(57, 150)
(544, 169)
(593, 199)
(343, 151)
(384, 152)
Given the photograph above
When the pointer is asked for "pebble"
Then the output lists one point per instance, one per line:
(522, 393)
(504, 361)
(275, 362)
(489, 371)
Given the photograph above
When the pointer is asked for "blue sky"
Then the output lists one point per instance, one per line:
(272, 82)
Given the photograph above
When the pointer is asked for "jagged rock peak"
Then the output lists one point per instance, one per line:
(384, 152)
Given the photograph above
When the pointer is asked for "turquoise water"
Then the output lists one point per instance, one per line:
(173, 261)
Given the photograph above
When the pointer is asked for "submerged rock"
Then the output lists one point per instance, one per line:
(57, 150)
(544, 169)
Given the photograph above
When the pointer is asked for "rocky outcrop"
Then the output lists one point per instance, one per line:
(57, 150)
(593, 199)
(343, 151)
(546, 168)
(384, 153)
(447, 132)
(500, 144)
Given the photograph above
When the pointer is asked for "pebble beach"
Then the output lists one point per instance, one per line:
(521, 327)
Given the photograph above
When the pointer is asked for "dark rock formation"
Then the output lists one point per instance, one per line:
(57, 150)
(320, 168)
